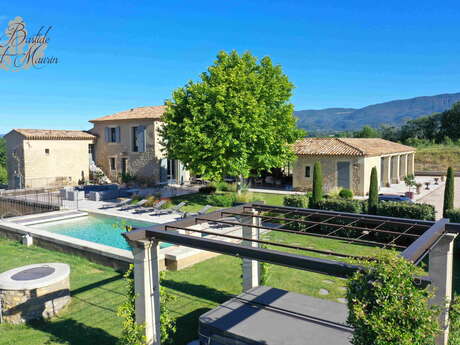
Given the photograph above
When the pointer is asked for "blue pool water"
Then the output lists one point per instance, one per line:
(96, 228)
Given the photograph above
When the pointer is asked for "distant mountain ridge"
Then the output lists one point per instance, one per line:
(391, 113)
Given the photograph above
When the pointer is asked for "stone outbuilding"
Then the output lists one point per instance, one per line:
(40, 158)
(347, 162)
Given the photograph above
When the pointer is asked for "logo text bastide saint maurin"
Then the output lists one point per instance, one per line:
(19, 50)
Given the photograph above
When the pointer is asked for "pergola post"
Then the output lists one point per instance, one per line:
(403, 166)
(395, 169)
(147, 288)
(251, 267)
(441, 270)
(386, 171)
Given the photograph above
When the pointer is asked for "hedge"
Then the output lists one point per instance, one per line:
(340, 205)
(209, 189)
(296, 201)
(222, 200)
(386, 208)
(406, 210)
(453, 215)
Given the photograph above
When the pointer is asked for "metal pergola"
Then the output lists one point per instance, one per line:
(414, 239)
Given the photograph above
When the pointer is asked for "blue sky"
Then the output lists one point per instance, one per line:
(122, 54)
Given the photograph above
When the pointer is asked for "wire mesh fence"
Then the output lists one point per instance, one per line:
(21, 202)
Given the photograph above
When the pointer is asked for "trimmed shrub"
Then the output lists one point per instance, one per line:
(151, 200)
(373, 192)
(346, 194)
(223, 186)
(166, 205)
(317, 184)
(296, 201)
(3, 175)
(453, 215)
(209, 189)
(222, 200)
(244, 197)
(387, 308)
(449, 192)
(340, 205)
(333, 193)
(406, 210)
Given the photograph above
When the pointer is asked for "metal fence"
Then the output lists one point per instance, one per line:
(21, 202)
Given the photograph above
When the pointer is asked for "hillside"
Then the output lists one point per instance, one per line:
(392, 113)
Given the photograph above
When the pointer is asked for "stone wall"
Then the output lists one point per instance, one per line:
(20, 306)
(141, 164)
(329, 169)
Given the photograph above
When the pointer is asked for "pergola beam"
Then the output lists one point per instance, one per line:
(302, 262)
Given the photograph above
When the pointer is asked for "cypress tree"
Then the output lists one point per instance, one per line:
(317, 184)
(449, 192)
(373, 192)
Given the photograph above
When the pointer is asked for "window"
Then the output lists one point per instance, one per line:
(47, 151)
(138, 139)
(112, 134)
(112, 163)
(307, 171)
(124, 166)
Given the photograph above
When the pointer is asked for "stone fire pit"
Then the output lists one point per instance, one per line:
(34, 292)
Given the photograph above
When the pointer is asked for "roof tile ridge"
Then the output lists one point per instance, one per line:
(350, 145)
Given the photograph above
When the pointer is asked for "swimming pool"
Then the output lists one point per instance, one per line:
(96, 228)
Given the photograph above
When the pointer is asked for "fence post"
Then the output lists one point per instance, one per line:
(147, 288)
(251, 270)
(441, 271)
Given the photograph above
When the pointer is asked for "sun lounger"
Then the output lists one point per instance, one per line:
(170, 210)
(117, 204)
(199, 213)
(136, 205)
(155, 207)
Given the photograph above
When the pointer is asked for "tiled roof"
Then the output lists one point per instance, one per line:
(152, 112)
(53, 134)
(348, 147)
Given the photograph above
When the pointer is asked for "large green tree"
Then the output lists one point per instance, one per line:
(236, 120)
(2, 152)
(367, 132)
(450, 122)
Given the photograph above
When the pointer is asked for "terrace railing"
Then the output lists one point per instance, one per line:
(21, 202)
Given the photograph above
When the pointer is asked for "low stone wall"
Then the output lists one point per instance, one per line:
(20, 306)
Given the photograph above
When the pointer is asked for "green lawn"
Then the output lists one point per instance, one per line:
(437, 157)
(97, 291)
(197, 200)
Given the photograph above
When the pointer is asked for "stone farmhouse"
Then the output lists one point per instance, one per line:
(347, 162)
(128, 143)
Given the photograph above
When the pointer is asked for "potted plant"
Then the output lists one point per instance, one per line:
(419, 187)
(409, 180)
(436, 180)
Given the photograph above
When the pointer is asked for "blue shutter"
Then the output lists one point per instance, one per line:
(117, 135)
(140, 138)
(107, 134)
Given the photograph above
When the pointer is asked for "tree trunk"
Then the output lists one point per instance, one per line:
(239, 184)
